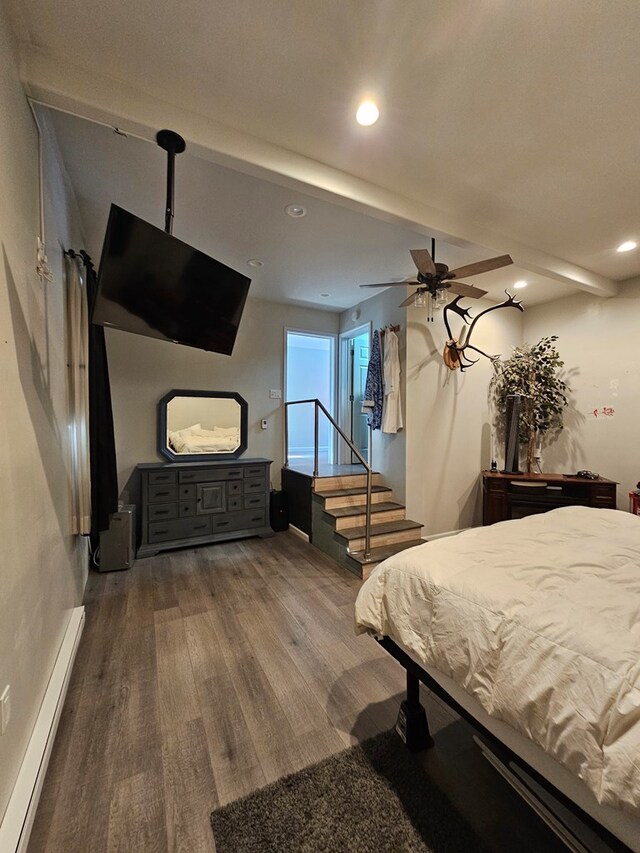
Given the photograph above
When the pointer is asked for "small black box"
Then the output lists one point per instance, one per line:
(278, 511)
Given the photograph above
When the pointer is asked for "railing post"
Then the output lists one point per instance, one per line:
(367, 523)
(316, 414)
(286, 435)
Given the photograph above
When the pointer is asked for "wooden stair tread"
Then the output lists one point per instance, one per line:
(343, 493)
(380, 529)
(360, 509)
(377, 555)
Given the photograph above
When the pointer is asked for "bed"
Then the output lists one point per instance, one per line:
(196, 439)
(532, 629)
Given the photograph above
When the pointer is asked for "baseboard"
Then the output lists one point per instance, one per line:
(301, 534)
(21, 811)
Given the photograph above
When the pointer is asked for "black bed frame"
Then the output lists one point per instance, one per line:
(413, 728)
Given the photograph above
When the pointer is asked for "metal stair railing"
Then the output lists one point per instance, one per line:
(319, 407)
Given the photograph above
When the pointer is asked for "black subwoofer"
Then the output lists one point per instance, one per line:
(278, 511)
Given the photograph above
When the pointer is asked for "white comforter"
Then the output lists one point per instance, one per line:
(539, 620)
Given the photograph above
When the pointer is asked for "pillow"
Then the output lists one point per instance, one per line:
(178, 438)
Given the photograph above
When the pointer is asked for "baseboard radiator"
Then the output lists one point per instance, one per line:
(18, 819)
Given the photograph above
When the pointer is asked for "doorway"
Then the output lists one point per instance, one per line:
(309, 374)
(354, 361)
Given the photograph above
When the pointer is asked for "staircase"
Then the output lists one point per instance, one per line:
(338, 521)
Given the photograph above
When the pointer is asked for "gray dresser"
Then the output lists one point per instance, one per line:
(194, 503)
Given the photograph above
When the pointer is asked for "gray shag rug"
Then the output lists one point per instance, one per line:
(371, 798)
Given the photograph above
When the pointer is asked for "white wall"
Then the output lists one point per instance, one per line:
(434, 463)
(448, 425)
(142, 370)
(598, 341)
(389, 450)
(43, 566)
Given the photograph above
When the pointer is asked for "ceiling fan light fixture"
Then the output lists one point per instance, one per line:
(420, 299)
(367, 113)
(627, 246)
(440, 298)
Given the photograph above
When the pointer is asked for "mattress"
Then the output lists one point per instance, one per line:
(538, 622)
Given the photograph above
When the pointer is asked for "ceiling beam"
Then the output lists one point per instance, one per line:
(88, 94)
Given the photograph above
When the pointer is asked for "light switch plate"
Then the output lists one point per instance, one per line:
(275, 394)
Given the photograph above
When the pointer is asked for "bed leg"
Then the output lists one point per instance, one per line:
(412, 724)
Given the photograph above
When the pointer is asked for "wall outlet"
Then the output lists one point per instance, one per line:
(275, 394)
(5, 709)
(263, 423)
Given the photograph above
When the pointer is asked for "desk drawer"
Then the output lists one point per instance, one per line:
(181, 528)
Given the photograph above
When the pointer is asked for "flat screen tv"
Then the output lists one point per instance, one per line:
(151, 283)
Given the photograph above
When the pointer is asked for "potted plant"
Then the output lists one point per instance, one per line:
(534, 373)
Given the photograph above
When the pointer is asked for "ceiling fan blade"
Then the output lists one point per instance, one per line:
(462, 289)
(409, 299)
(405, 283)
(423, 260)
(480, 266)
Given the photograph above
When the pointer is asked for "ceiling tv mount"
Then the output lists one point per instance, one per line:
(173, 144)
(154, 284)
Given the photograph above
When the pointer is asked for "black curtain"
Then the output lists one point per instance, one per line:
(104, 476)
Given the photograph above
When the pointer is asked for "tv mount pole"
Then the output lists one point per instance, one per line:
(173, 144)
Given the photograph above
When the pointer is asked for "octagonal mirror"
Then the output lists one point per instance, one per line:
(202, 425)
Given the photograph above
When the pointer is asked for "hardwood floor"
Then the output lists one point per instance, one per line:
(204, 674)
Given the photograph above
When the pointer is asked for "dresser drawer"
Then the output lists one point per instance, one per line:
(187, 493)
(158, 512)
(254, 471)
(207, 476)
(181, 528)
(234, 504)
(253, 501)
(254, 484)
(234, 487)
(163, 493)
(240, 520)
(186, 509)
(156, 478)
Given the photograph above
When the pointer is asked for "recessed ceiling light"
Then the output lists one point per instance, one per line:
(520, 284)
(295, 210)
(367, 113)
(255, 262)
(627, 246)
(325, 295)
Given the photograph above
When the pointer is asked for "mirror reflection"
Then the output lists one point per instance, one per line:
(203, 425)
(197, 426)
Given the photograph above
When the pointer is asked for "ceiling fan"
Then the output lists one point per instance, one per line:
(434, 278)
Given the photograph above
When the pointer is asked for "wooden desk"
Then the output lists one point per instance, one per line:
(517, 495)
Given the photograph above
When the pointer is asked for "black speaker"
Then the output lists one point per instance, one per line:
(278, 511)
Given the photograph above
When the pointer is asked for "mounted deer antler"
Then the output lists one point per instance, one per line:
(454, 354)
